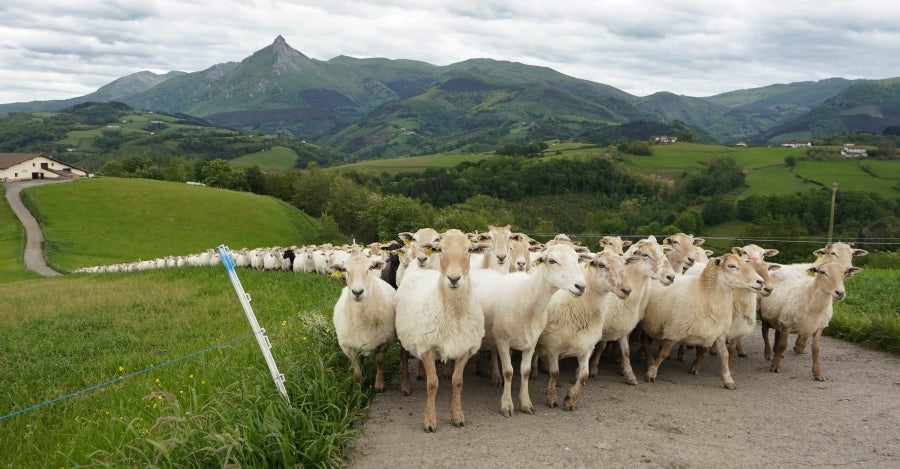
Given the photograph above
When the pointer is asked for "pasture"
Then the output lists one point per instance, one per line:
(276, 157)
(184, 382)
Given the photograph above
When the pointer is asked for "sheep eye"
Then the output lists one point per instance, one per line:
(552, 261)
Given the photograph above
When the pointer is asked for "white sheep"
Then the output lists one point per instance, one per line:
(804, 306)
(364, 314)
(415, 254)
(697, 310)
(438, 318)
(515, 313)
(520, 248)
(623, 316)
(575, 323)
(842, 253)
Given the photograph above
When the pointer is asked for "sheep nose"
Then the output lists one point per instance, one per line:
(626, 291)
(579, 287)
(454, 280)
(520, 265)
(767, 291)
(670, 278)
(760, 285)
(840, 294)
(357, 292)
(501, 259)
(690, 261)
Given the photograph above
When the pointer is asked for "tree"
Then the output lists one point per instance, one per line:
(393, 214)
(717, 210)
(113, 168)
(639, 148)
(790, 161)
(178, 170)
(219, 173)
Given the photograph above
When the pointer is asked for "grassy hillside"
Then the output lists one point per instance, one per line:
(274, 158)
(111, 220)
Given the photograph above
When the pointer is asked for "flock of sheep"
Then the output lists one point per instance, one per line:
(448, 296)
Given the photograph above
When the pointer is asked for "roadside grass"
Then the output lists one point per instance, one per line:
(186, 384)
(111, 220)
(870, 315)
(12, 244)
(274, 158)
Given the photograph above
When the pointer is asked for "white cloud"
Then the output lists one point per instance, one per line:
(59, 49)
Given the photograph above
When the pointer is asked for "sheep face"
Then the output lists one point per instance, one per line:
(498, 237)
(842, 253)
(762, 268)
(606, 273)
(455, 250)
(560, 264)
(830, 278)
(355, 272)
(752, 251)
(683, 248)
(654, 261)
(735, 272)
(614, 244)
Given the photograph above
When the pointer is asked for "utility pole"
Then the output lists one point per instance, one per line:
(831, 220)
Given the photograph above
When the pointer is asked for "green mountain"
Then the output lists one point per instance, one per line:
(372, 108)
(865, 105)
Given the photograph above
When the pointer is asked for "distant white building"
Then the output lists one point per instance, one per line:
(853, 151)
(26, 166)
(664, 139)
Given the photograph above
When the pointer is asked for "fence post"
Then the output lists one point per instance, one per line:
(259, 332)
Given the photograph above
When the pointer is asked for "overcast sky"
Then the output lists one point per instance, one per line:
(57, 49)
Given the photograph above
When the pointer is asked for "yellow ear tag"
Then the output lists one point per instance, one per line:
(713, 265)
(819, 255)
(338, 274)
(537, 262)
(429, 251)
(602, 244)
(406, 242)
(811, 273)
(587, 266)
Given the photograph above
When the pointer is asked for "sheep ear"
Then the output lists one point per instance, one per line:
(406, 236)
(772, 267)
(625, 244)
(602, 243)
(770, 252)
(819, 252)
(716, 262)
(860, 252)
(585, 257)
(812, 271)
(581, 249)
(666, 241)
(699, 241)
(478, 248)
(852, 271)
(667, 248)
(737, 250)
(632, 259)
(377, 265)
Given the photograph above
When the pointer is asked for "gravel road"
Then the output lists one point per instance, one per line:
(774, 420)
(34, 244)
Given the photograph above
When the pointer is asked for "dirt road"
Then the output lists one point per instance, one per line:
(773, 420)
(34, 244)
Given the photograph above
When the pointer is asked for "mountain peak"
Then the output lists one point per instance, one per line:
(284, 51)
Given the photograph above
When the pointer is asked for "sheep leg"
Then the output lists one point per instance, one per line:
(581, 379)
(525, 404)
(816, 349)
(495, 369)
(781, 340)
(594, 368)
(506, 404)
(405, 387)
(681, 350)
(645, 347)
(733, 346)
(553, 365)
(354, 364)
(727, 380)
(624, 347)
(431, 385)
(664, 349)
(379, 368)
(739, 347)
(699, 353)
(535, 363)
(457, 417)
(765, 335)
(800, 344)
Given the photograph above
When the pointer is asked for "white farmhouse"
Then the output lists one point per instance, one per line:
(25, 166)
(853, 151)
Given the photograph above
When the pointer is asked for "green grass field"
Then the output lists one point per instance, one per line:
(411, 163)
(273, 158)
(110, 220)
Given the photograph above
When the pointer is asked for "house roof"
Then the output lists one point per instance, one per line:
(8, 160)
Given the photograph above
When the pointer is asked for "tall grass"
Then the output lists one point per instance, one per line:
(870, 315)
(187, 384)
